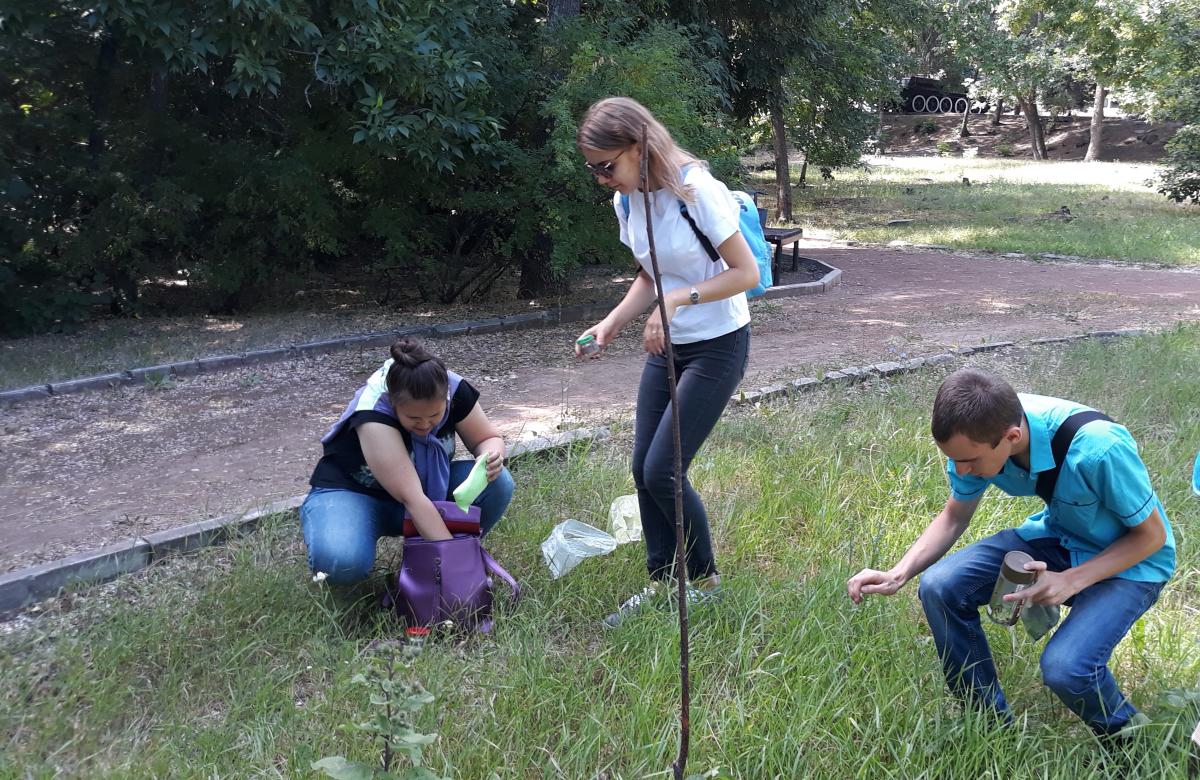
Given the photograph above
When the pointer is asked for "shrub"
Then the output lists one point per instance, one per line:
(1005, 150)
(1181, 180)
(926, 126)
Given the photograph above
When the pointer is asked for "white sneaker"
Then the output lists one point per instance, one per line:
(632, 605)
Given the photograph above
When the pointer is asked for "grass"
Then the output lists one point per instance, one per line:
(232, 664)
(1007, 208)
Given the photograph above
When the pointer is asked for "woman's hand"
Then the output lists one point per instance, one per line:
(428, 520)
(605, 334)
(652, 337)
(494, 448)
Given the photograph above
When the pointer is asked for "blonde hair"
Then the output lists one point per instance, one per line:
(616, 123)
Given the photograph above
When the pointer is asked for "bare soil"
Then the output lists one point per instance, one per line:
(1125, 139)
(80, 471)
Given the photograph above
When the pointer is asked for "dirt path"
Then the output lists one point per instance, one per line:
(80, 471)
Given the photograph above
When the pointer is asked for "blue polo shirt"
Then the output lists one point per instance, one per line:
(1103, 488)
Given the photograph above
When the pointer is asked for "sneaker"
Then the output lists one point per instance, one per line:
(632, 605)
(699, 596)
(704, 591)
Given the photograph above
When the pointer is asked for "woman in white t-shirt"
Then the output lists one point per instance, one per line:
(707, 311)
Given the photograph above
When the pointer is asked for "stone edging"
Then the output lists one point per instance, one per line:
(209, 365)
(831, 279)
(21, 588)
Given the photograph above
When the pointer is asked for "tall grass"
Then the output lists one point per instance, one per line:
(234, 665)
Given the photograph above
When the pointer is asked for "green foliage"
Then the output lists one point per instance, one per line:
(945, 148)
(398, 701)
(925, 126)
(232, 148)
(1181, 180)
(1005, 150)
(655, 65)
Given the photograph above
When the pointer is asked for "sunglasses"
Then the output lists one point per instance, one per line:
(604, 169)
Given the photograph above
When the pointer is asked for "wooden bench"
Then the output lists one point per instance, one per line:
(779, 237)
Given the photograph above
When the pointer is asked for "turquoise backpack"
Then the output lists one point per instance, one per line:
(751, 230)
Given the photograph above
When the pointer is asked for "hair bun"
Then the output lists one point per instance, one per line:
(409, 353)
(416, 374)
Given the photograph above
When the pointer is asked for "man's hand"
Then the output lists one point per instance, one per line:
(1052, 587)
(868, 581)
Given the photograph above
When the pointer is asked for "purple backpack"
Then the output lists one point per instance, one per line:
(449, 579)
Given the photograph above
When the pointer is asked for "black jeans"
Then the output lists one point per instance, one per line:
(707, 373)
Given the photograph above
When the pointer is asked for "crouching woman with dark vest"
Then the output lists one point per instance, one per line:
(390, 453)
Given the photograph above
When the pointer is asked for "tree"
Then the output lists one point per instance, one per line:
(1102, 42)
(1169, 81)
(1015, 55)
(831, 89)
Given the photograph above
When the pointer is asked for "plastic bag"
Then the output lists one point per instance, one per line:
(473, 485)
(625, 519)
(1196, 476)
(570, 542)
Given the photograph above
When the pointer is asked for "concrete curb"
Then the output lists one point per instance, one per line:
(24, 587)
(831, 279)
(216, 363)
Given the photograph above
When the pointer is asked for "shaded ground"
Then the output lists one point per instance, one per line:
(81, 471)
(1124, 139)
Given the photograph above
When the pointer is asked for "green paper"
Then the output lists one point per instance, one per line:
(473, 485)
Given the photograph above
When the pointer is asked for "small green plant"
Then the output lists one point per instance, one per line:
(251, 380)
(1004, 150)
(925, 126)
(160, 382)
(945, 148)
(399, 700)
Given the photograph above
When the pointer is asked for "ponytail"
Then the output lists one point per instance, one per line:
(415, 375)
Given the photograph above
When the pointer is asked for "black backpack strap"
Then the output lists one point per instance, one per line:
(1059, 445)
(713, 254)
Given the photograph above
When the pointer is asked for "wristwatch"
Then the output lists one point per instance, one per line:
(694, 296)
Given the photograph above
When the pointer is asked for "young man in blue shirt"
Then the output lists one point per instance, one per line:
(1102, 545)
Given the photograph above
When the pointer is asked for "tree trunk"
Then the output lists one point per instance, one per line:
(803, 171)
(783, 177)
(999, 111)
(1094, 144)
(880, 141)
(963, 131)
(537, 277)
(99, 95)
(1036, 137)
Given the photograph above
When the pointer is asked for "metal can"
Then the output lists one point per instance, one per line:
(1013, 578)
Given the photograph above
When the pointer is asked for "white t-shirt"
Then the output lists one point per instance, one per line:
(681, 257)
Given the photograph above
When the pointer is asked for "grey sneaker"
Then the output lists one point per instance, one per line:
(698, 597)
(632, 605)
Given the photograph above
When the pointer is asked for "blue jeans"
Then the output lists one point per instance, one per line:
(342, 527)
(707, 373)
(1075, 662)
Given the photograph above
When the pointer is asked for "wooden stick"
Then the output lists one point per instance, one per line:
(685, 693)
